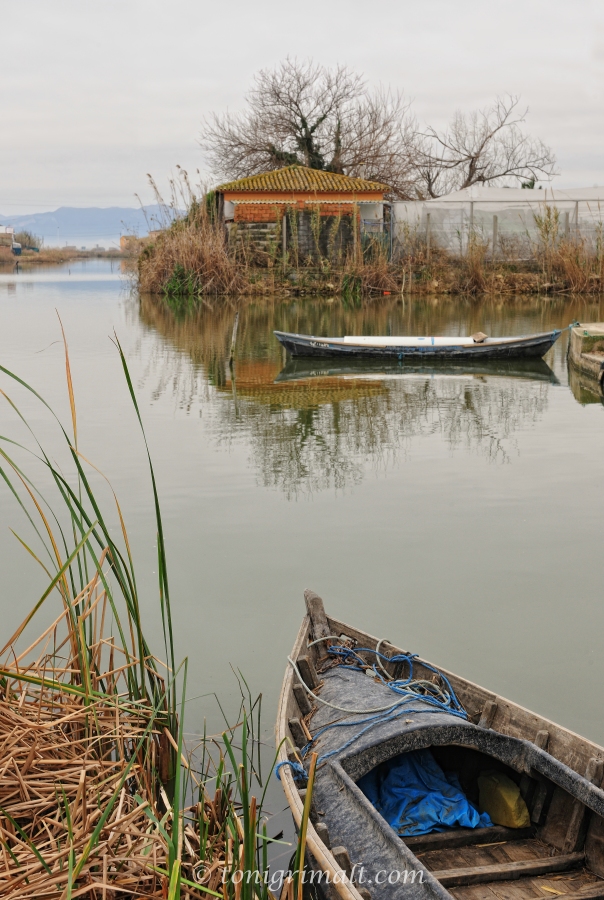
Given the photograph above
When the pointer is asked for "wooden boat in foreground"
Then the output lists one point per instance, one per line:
(559, 851)
(477, 346)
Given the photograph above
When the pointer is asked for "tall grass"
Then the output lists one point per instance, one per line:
(567, 263)
(98, 796)
(190, 254)
(190, 257)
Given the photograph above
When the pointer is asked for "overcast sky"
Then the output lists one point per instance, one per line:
(96, 94)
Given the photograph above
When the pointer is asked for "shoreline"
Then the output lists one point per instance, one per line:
(56, 255)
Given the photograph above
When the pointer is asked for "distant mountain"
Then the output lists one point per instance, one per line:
(92, 223)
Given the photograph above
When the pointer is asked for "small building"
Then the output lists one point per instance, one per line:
(309, 211)
(7, 233)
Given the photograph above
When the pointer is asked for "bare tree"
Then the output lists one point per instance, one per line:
(380, 142)
(304, 113)
(484, 147)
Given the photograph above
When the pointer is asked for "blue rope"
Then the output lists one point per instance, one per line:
(381, 720)
(298, 770)
(451, 704)
(354, 663)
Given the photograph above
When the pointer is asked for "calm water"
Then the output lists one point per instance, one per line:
(456, 513)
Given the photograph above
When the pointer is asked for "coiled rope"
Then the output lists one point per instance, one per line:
(409, 688)
(437, 699)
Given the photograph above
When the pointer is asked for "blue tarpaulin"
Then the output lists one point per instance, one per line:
(415, 796)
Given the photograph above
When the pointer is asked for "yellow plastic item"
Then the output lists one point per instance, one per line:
(500, 797)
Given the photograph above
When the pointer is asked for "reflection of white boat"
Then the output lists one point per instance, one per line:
(472, 347)
(530, 369)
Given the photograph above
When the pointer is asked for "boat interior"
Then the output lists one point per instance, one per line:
(560, 853)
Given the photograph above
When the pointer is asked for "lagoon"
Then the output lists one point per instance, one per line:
(455, 513)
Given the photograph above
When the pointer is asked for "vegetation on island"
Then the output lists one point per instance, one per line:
(194, 256)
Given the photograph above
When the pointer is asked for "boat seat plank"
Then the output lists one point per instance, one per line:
(477, 892)
(507, 871)
(461, 837)
(502, 890)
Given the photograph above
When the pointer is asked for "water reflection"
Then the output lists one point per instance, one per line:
(312, 427)
(296, 369)
(585, 388)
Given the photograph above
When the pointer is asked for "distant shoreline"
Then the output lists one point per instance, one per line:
(56, 255)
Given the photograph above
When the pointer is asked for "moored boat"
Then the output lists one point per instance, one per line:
(428, 785)
(478, 346)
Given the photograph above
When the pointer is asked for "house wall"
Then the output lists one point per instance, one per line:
(259, 242)
(372, 212)
(257, 212)
(329, 237)
(267, 212)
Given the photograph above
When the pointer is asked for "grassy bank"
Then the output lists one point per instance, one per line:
(194, 256)
(100, 796)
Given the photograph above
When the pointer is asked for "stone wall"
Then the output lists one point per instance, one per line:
(586, 349)
(311, 235)
(258, 242)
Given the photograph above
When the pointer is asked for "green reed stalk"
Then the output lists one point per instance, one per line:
(73, 558)
(301, 848)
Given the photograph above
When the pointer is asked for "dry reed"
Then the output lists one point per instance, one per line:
(93, 771)
(80, 795)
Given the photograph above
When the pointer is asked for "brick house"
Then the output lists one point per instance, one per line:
(304, 211)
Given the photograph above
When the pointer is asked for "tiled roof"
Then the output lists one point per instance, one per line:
(301, 178)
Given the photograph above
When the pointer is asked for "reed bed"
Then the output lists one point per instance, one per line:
(99, 797)
(191, 257)
(80, 796)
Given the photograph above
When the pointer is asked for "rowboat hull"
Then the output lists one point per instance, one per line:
(527, 346)
(559, 774)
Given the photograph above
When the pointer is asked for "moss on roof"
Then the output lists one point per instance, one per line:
(301, 178)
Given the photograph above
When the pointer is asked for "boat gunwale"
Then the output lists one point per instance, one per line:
(457, 681)
(320, 853)
(488, 342)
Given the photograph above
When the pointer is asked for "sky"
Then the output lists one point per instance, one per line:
(96, 95)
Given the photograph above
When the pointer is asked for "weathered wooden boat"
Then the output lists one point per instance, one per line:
(300, 369)
(477, 346)
(410, 707)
